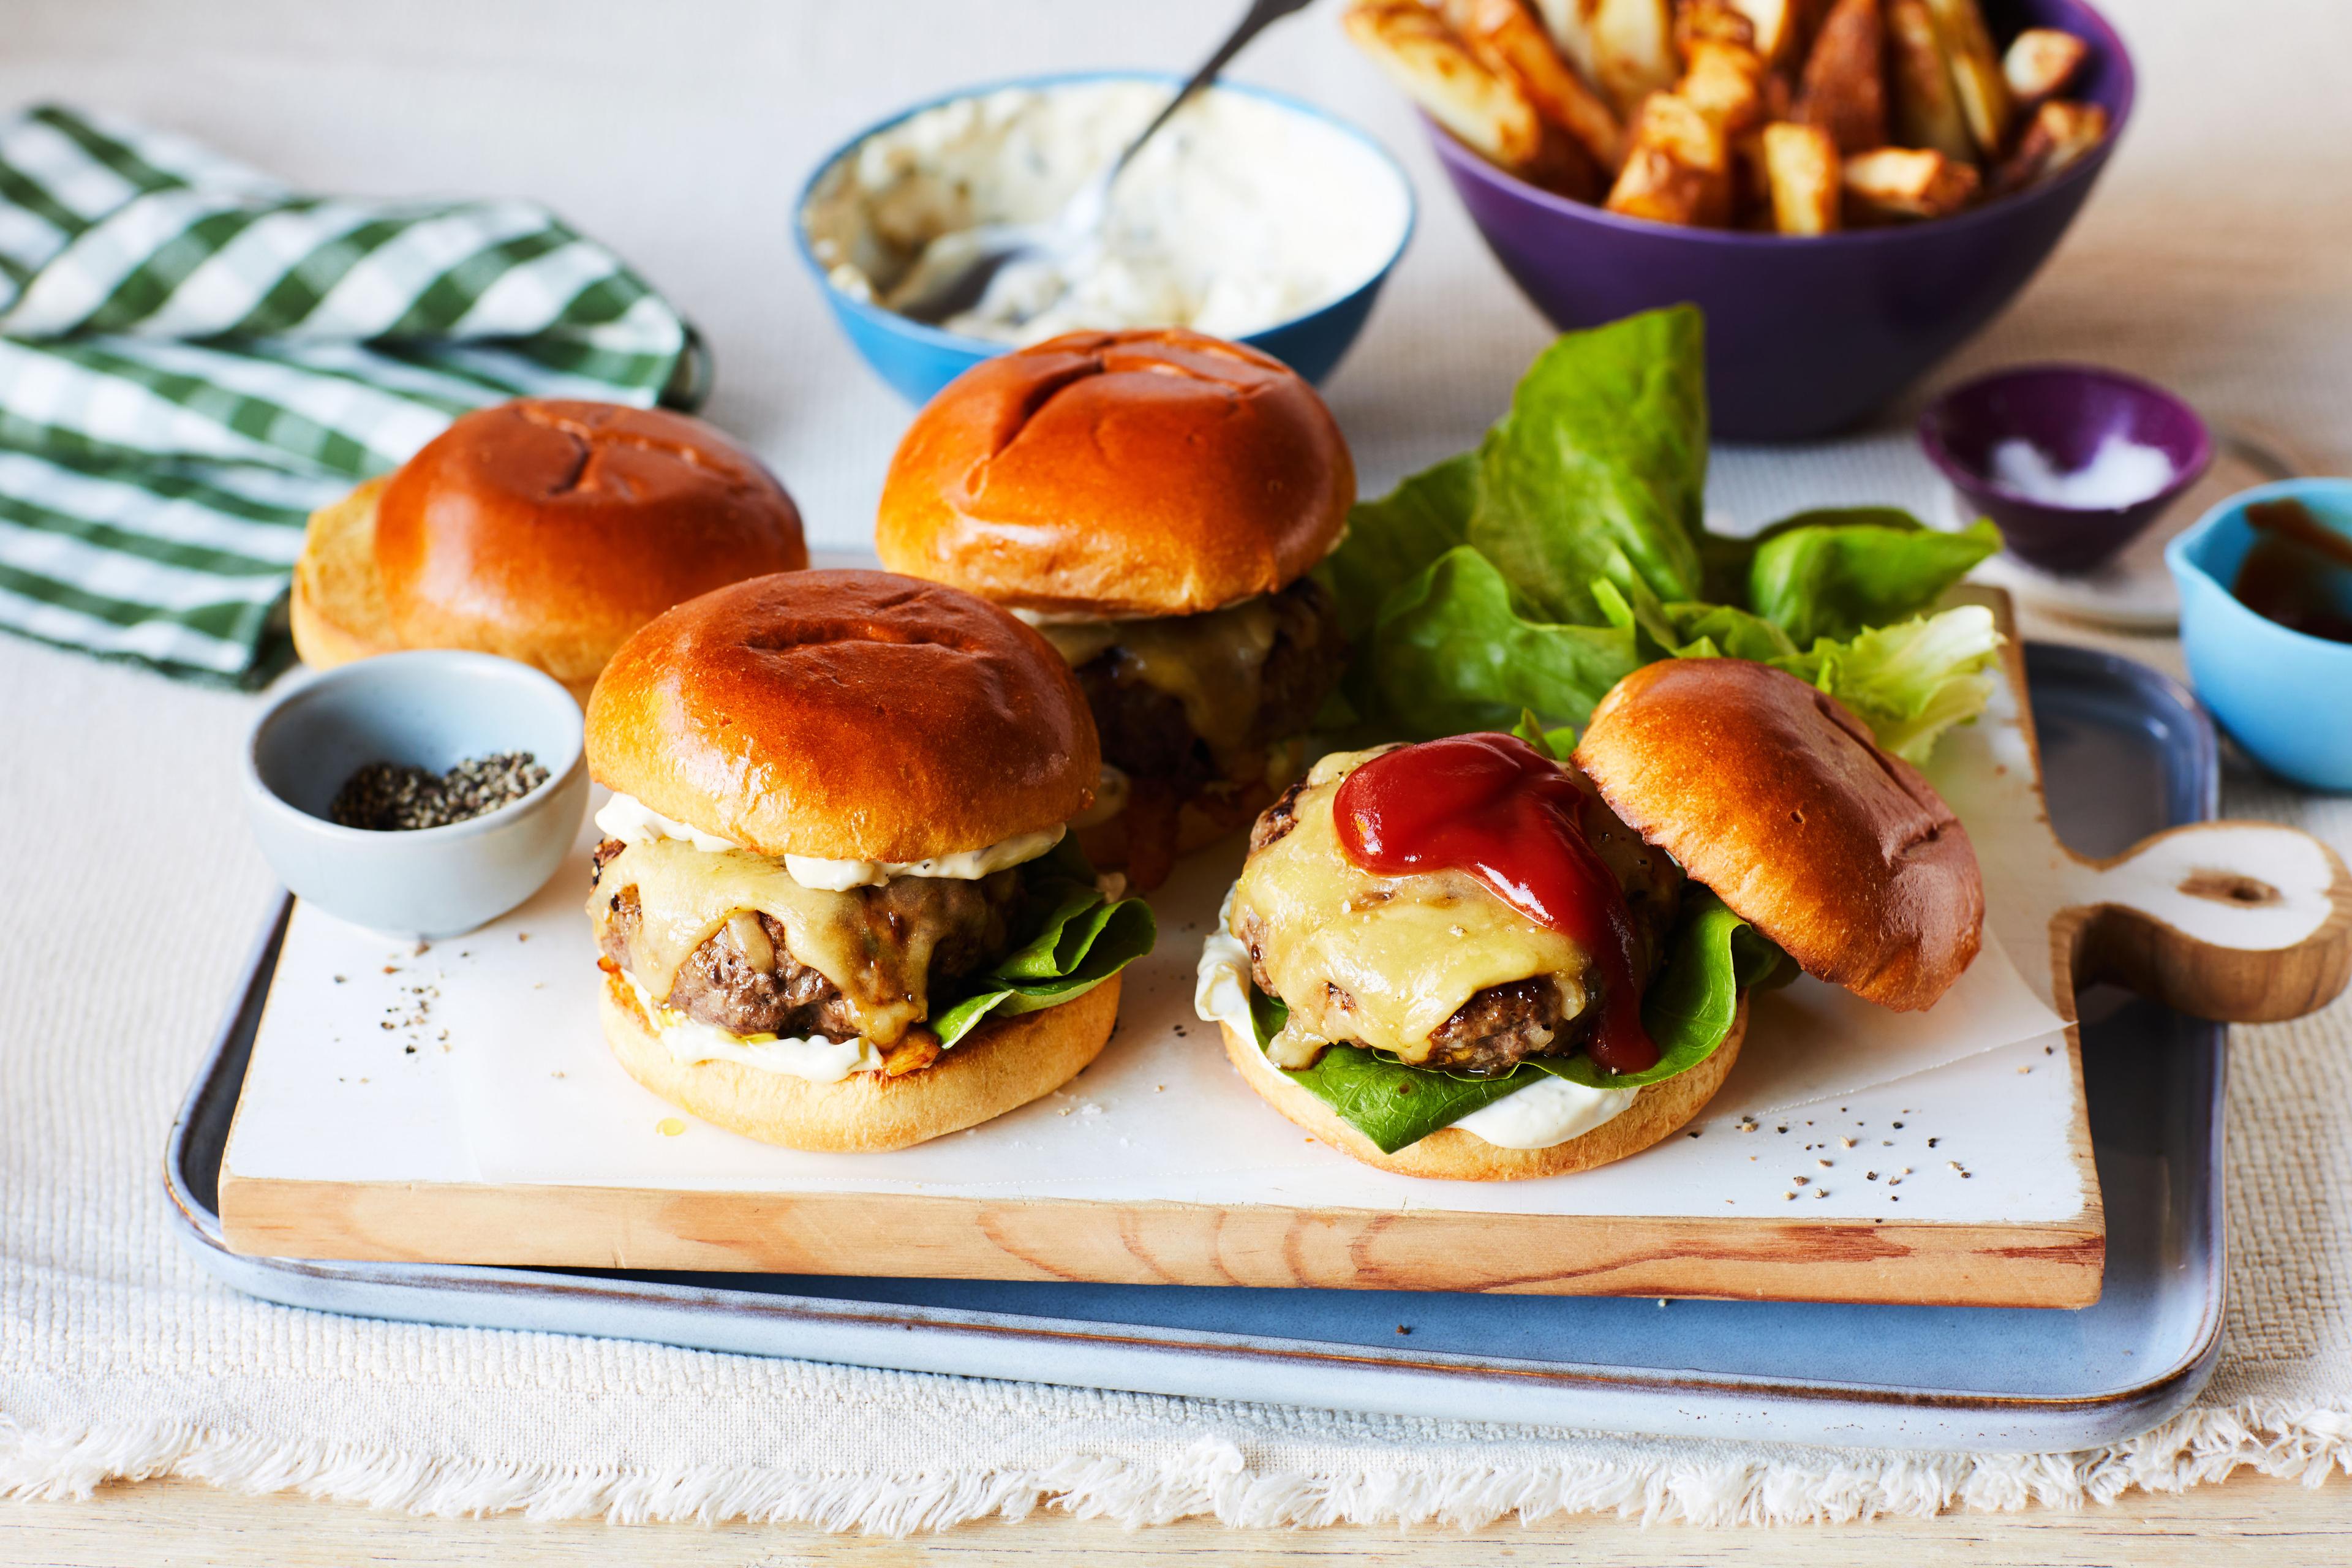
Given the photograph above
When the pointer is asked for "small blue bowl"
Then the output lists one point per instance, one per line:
(2284, 696)
(918, 359)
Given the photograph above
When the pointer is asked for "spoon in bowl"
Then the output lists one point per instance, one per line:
(955, 270)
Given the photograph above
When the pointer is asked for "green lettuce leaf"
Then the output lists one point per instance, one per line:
(1909, 682)
(1081, 940)
(1829, 574)
(1711, 958)
(1392, 541)
(1599, 470)
(1452, 653)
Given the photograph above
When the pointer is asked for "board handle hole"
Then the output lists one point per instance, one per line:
(2230, 888)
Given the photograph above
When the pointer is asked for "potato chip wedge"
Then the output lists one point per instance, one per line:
(1633, 50)
(1843, 89)
(1421, 55)
(1925, 104)
(1906, 182)
(1677, 167)
(1510, 42)
(1976, 73)
(2058, 135)
(1801, 163)
(2041, 62)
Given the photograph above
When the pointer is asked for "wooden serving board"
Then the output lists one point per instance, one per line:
(458, 1105)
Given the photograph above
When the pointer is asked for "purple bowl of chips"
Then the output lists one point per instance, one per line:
(2073, 461)
(1805, 336)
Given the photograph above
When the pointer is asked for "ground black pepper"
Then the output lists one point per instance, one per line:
(388, 797)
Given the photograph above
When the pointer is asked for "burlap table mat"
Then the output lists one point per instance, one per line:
(2215, 260)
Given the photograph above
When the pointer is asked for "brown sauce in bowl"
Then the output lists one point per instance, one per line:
(2299, 571)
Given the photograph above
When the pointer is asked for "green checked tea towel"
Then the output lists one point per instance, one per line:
(193, 358)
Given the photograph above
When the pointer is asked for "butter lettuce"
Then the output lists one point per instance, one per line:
(1713, 958)
(1599, 470)
(1568, 550)
(1913, 681)
(1836, 573)
(1079, 940)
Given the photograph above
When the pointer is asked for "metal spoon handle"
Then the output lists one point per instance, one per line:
(1261, 14)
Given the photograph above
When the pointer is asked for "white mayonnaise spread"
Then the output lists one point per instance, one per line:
(628, 819)
(1240, 214)
(1547, 1113)
(690, 1041)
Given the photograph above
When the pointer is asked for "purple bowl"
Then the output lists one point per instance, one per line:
(1804, 336)
(2067, 411)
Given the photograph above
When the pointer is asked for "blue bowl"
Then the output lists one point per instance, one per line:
(2284, 696)
(918, 359)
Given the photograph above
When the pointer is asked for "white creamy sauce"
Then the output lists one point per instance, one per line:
(690, 1041)
(1549, 1112)
(628, 819)
(1546, 1113)
(2121, 472)
(1242, 213)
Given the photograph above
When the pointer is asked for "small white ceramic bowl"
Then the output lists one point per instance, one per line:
(431, 711)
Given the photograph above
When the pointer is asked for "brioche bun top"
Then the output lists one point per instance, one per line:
(1775, 796)
(1120, 475)
(847, 716)
(547, 532)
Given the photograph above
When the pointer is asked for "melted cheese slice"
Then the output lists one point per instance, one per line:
(687, 894)
(1214, 664)
(1379, 959)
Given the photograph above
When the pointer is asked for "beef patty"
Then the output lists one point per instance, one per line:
(969, 924)
(1144, 731)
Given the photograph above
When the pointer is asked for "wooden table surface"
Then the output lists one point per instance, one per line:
(2253, 1519)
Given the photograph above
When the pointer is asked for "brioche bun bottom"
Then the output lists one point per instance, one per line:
(1001, 1066)
(1659, 1110)
(337, 610)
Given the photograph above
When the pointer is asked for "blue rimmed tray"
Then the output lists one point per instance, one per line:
(2126, 752)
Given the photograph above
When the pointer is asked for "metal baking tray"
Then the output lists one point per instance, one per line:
(2126, 752)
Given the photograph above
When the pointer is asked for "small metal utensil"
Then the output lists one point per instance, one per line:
(955, 270)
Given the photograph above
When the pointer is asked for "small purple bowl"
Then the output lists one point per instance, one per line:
(2066, 411)
(1804, 336)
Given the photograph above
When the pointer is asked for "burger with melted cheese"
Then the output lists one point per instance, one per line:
(1471, 959)
(836, 902)
(541, 531)
(1153, 502)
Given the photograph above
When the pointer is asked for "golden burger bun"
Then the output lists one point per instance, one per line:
(999, 1066)
(1775, 796)
(542, 530)
(1658, 1112)
(847, 716)
(337, 610)
(1120, 475)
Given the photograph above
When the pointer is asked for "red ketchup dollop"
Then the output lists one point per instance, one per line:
(1493, 807)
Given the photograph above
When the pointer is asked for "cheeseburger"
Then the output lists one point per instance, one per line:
(1153, 503)
(1469, 958)
(835, 899)
(543, 532)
